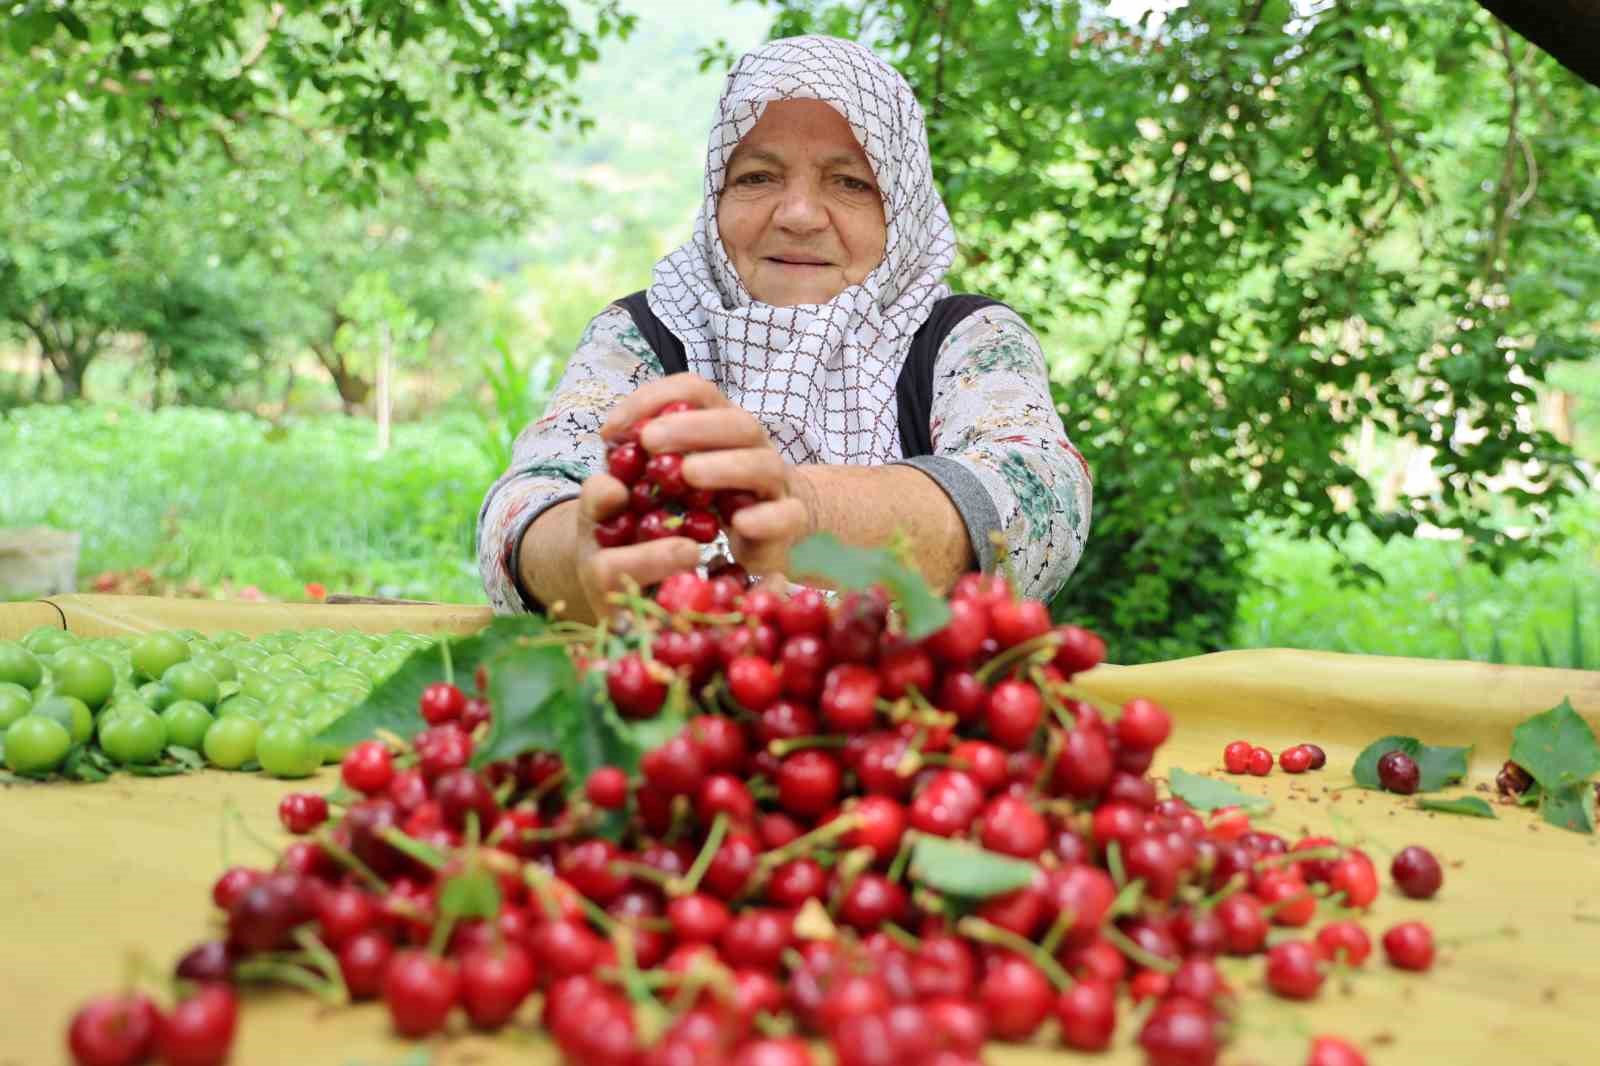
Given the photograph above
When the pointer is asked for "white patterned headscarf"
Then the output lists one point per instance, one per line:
(820, 377)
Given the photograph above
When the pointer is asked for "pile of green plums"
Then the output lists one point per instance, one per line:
(238, 702)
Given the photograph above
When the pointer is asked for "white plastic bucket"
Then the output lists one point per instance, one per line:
(38, 562)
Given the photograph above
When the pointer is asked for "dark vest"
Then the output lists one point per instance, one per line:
(913, 390)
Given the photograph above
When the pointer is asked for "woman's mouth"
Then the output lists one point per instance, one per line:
(798, 261)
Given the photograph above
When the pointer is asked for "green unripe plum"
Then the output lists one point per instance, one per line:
(296, 694)
(217, 666)
(36, 745)
(71, 713)
(84, 676)
(231, 741)
(245, 706)
(187, 681)
(258, 686)
(284, 749)
(19, 666)
(186, 722)
(15, 701)
(155, 653)
(134, 737)
(48, 641)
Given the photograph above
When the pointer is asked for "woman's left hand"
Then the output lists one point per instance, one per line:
(725, 447)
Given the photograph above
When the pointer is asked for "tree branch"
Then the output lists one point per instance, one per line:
(1386, 129)
(1493, 272)
(251, 58)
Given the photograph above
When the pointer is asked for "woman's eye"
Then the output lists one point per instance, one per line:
(857, 185)
(754, 178)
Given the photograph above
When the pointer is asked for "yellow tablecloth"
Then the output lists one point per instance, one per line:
(90, 873)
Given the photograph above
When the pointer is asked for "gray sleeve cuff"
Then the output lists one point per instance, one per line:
(530, 602)
(971, 500)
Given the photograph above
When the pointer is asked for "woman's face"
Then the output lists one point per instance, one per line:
(800, 213)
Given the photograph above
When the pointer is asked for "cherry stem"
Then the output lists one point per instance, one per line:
(1232, 886)
(902, 858)
(1119, 875)
(702, 862)
(1128, 900)
(1273, 908)
(346, 858)
(1126, 944)
(326, 963)
(1109, 711)
(1052, 703)
(628, 868)
(904, 937)
(808, 842)
(1288, 858)
(539, 881)
(780, 748)
(1044, 642)
(985, 932)
(1057, 930)
(441, 935)
(286, 972)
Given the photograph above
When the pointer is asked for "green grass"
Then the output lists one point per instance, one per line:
(226, 500)
(1433, 604)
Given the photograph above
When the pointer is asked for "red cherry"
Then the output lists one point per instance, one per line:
(367, 767)
(114, 1031)
(301, 812)
(1078, 650)
(1014, 996)
(808, 782)
(1295, 760)
(1013, 621)
(685, 591)
(701, 526)
(199, 1030)
(420, 990)
(1011, 826)
(633, 688)
(1244, 927)
(881, 824)
(1355, 876)
(1398, 773)
(607, 788)
(1087, 1013)
(626, 463)
(1293, 971)
(1143, 726)
(1417, 872)
(961, 638)
(1343, 941)
(665, 471)
(1289, 894)
(658, 525)
(1013, 713)
(1409, 946)
(698, 918)
(1179, 1033)
(1331, 1051)
(363, 960)
(849, 701)
(1236, 757)
(442, 702)
(495, 979)
(676, 768)
(1260, 764)
(753, 683)
(730, 502)
(804, 663)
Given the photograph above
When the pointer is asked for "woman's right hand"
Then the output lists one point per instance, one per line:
(603, 571)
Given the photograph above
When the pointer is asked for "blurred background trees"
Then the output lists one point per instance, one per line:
(1318, 281)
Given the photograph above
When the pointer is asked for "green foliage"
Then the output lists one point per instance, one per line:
(171, 74)
(1208, 794)
(845, 567)
(957, 868)
(1436, 766)
(1471, 806)
(1252, 230)
(230, 500)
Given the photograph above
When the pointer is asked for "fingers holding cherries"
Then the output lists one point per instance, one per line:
(690, 465)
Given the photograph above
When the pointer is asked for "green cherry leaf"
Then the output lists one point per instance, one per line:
(1569, 807)
(821, 555)
(392, 705)
(474, 894)
(1208, 794)
(1437, 766)
(1557, 747)
(533, 691)
(1468, 805)
(966, 870)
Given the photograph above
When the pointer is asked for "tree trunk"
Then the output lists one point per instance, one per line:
(353, 388)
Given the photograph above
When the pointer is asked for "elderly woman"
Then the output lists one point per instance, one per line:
(832, 373)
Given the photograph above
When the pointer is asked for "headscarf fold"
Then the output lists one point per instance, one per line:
(820, 377)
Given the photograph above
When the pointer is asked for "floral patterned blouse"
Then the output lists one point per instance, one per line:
(1000, 451)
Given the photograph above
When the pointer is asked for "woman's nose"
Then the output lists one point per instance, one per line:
(801, 210)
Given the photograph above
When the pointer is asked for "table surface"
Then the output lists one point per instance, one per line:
(96, 874)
